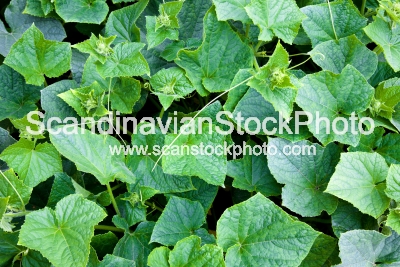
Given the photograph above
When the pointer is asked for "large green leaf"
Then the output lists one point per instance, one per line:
(190, 18)
(335, 96)
(91, 153)
(16, 97)
(135, 246)
(360, 179)
(368, 248)
(33, 163)
(305, 176)
(142, 164)
(251, 173)
(33, 56)
(276, 18)
(121, 22)
(256, 232)
(212, 67)
(126, 61)
(386, 38)
(12, 187)
(335, 55)
(180, 218)
(83, 11)
(63, 235)
(5, 140)
(332, 21)
(209, 167)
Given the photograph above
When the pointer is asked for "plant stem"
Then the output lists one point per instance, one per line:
(259, 44)
(378, 50)
(153, 205)
(113, 199)
(108, 228)
(161, 113)
(117, 186)
(17, 214)
(255, 63)
(247, 30)
(298, 65)
(362, 10)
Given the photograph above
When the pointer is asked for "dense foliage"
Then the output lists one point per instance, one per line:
(67, 201)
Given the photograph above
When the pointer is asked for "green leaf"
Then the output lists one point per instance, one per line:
(77, 64)
(122, 22)
(33, 163)
(125, 61)
(251, 173)
(19, 22)
(332, 21)
(104, 243)
(63, 235)
(333, 96)
(393, 220)
(232, 9)
(204, 193)
(170, 84)
(83, 11)
(135, 246)
(99, 48)
(124, 94)
(387, 96)
(53, 105)
(5, 140)
(86, 101)
(389, 148)
(62, 186)
(8, 247)
(369, 142)
(91, 154)
(7, 39)
(360, 179)
(191, 18)
(305, 176)
(180, 218)
(283, 19)
(336, 55)
(386, 38)
(132, 212)
(210, 168)
(321, 250)
(47, 6)
(15, 189)
(35, 259)
(157, 36)
(33, 56)
(142, 165)
(393, 183)
(16, 97)
(34, 7)
(188, 252)
(159, 257)
(212, 67)
(257, 232)
(274, 83)
(114, 261)
(346, 217)
(368, 248)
